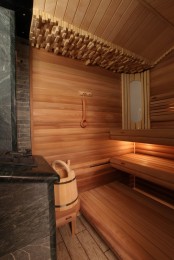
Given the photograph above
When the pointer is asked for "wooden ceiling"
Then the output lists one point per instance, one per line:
(142, 28)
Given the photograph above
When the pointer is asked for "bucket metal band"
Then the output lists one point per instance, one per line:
(60, 183)
(68, 204)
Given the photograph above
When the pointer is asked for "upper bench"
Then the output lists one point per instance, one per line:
(151, 168)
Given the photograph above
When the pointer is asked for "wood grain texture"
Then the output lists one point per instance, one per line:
(151, 168)
(162, 94)
(89, 245)
(75, 249)
(136, 227)
(149, 136)
(95, 248)
(165, 8)
(62, 252)
(56, 112)
(161, 151)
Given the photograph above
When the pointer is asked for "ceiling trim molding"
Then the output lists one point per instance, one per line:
(154, 11)
(163, 56)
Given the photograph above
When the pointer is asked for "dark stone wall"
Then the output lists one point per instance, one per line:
(25, 221)
(14, 86)
(7, 81)
(22, 214)
(27, 211)
(23, 94)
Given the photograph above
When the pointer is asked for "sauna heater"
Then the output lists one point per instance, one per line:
(27, 205)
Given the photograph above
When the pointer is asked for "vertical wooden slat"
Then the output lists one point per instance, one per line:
(140, 124)
(144, 79)
(143, 99)
(148, 98)
(123, 99)
(128, 101)
(132, 125)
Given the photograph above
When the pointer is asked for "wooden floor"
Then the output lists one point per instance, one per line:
(136, 227)
(86, 244)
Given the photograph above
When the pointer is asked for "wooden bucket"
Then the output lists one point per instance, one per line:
(65, 192)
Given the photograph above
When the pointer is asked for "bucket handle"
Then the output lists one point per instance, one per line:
(66, 166)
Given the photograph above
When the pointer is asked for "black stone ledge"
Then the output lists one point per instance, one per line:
(41, 171)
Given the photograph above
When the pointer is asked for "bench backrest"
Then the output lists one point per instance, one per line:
(161, 151)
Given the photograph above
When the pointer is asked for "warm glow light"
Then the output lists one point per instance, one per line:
(136, 101)
(136, 146)
(146, 146)
(171, 109)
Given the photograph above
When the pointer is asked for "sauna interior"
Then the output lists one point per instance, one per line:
(93, 86)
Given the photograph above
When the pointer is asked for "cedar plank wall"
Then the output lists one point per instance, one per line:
(162, 117)
(161, 105)
(56, 111)
(162, 93)
(155, 150)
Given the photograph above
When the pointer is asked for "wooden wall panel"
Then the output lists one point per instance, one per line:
(162, 94)
(155, 191)
(56, 111)
(155, 150)
(148, 136)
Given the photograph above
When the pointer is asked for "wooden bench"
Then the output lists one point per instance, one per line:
(135, 226)
(154, 169)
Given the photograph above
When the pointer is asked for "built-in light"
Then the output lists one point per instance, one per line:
(135, 101)
(147, 146)
(24, 14)
(171, 108)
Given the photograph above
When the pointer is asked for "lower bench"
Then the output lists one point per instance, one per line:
(135, 227)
